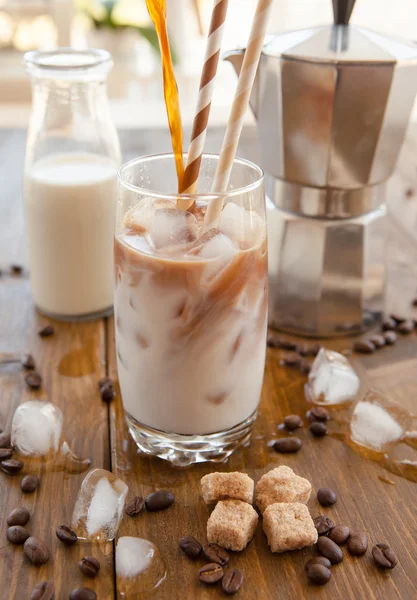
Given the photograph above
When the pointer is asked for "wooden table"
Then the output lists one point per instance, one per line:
(75, 358)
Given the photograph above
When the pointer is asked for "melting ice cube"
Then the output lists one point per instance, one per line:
(377, 423)
(172, 226)
(36, 428)
(139, 566)
(242, 225)
(332, 380)
(99, 506)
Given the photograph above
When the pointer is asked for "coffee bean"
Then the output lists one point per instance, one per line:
(358, 543)
(11, 466)
(5, 453)
(28, 362)
(315, 349)
(18, 516)
(16, 534)
(190, 546)
(216, 554)
(5, 441)
(232, 581)
(288, 445)
(275, 341)
(390, 337)
(318, 574)
(45, 590)
(303, 350)
(210, 573)
(388, 324)
(159, 500)
(66, 535)
(340, 534)
(291, 360)
(323, 524)
(326, 496)
(29, 484)
(292, 422)
(33, 380)
(384, 556)
(378, 341)
(318, 560)
(406, 327)
(329, 549)
(16, 269)
(107, 392)
(36, 551)
(134, 506)
(46, 331)
(89, 566)
(364, 347)
(318, 413)
(83, 593)
(304, 367)
(318, 429)
(104, 381)
(398, 318)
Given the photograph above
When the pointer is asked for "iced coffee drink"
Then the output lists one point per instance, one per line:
(190, 311)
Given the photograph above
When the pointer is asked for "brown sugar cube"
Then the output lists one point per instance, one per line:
(221, 486)
(232, 524)
(289, 526)
(281, 485)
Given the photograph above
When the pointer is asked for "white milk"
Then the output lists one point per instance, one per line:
(69, 208)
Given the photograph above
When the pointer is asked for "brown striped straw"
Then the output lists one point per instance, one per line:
(205, 94)
(240, 103)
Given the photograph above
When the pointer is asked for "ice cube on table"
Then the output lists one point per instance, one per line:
(172, 227)
(99, 506)
(36, 428)
(139, 566)
(241, 225)
(331, 380)
(378, 423)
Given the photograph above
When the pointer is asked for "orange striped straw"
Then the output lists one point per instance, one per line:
(205, 94)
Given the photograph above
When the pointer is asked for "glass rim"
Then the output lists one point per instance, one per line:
(36, 58)
(204, 195)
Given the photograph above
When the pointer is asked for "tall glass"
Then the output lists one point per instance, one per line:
(190, 309)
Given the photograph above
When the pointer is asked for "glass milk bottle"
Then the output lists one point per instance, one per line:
(72, 158)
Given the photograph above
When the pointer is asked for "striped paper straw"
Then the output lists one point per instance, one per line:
(205, 94)
(240, 103)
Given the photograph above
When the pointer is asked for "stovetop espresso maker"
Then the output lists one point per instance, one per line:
(332, 105)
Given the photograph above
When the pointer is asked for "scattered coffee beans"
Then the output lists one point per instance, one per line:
(33, 380)
(16, 269)
(18, 516)
(46, 331)
(89, 566)
(28, 362)
(329, 549)
(83, 593)
(134, 506)
(384, 556)
(190, 546)
(318, 574)
(159, 500)
(104, 381)
(406, 327)
(45, 590)
(318, 413)
(315, 349)
(390, 337)
(318, 560)
(16, 534)
(292, 422)
(326, 496)
(304, 367)
(340, 534)
(210, 573)
(398, 318)
(358, 543)
(29, 484)
(288, 445)
(66, 535)
(323, 524)
(5, 453)
(107, 392)
(388, 324)
(216, 554)
(303, 350)
(378, 341)
(11, 466)
(232, 581)
(291, 360)
(364, 347)
(274, 341)
(36, 551)
(318, 429)
(5, 441)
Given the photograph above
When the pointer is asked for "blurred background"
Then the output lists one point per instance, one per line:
(123, 28)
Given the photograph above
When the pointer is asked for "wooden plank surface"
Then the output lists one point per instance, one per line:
(386, 512)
